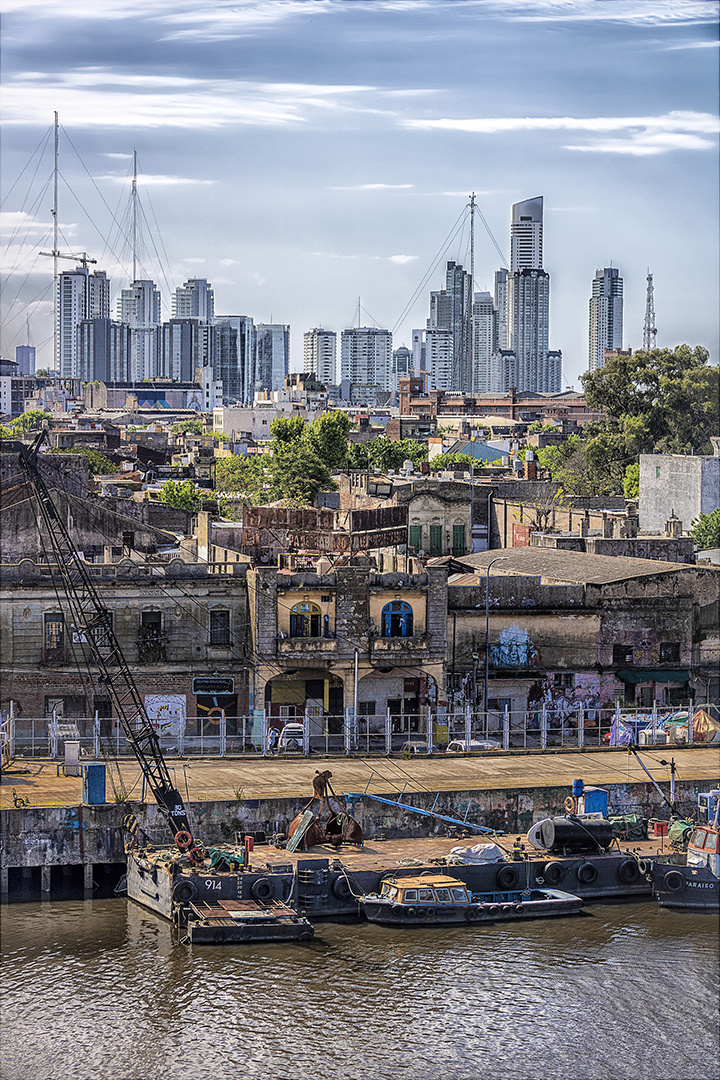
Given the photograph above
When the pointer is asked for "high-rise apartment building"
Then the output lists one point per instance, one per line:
(501, 279)
(187, 344)
(25, 358)
(194, 300)
(440, 356)
(419, 350)
(450, 310)
(81, 295)
(484, 342)
(233, 358)
(366, 361)
(139, 307)
(526, 235)
(272, 355)
(606, 315)
(103, 351)
(320, 355)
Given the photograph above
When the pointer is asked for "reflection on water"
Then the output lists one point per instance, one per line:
(101, 989)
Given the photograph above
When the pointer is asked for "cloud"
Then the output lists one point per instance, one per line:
(677, 130)
(89, 97)
(146, 180)
(402, 259)
(371, 187)
(642, 12)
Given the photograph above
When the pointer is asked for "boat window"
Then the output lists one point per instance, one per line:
(392, 892)
(385, 891)
(410, 894)
(459, 894)
(698, 838)
(426, 895)
(443, 896)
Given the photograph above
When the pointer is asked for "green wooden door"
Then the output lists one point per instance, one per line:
(436, 540)
(458, 547)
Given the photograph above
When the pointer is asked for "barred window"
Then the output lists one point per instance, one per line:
(219, 627)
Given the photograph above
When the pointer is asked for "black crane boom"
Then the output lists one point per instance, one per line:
(92, 621)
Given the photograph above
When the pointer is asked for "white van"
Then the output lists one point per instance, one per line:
(461, 746)
(291, 737)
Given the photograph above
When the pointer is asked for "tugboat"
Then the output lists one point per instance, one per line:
(696, 883)
(435, 898)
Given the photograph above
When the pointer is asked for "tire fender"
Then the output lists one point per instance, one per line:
(553, 873)
(507, 877)
(263, 889)
(628, 871)
(341, 888)
(587, 873)
(673, 880)
(184, 891)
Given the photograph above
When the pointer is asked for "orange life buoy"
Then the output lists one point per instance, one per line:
(183, 839)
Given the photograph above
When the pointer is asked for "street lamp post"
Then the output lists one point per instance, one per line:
(501, 558)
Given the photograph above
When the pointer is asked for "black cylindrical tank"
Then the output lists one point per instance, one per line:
(575, 834)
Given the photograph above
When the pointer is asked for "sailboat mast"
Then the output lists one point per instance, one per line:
(134, 218)
(472, 292)
(56, 343)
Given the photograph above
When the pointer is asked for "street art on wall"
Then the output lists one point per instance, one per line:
(514, 649)
(563, 703)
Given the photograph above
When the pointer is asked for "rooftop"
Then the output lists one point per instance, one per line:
(571, 567)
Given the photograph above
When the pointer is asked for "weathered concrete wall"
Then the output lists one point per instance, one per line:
(93, 834)
(687, 486)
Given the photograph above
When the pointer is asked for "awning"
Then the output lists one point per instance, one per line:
(627, 676)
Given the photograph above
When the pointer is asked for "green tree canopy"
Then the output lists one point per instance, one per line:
(247, 477)
(182, 494)
(705, 530)
(297, 474)
(454, 461)
(192, 427)
(286, 430)
(31, 420)
(631, 482)
(327, 437)
(98, 463)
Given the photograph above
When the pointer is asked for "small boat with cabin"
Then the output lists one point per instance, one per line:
(438, 899)
(694, 884)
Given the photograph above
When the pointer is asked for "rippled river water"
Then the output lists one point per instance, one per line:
(100, 990)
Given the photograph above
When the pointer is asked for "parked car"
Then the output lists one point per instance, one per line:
(461, 746)
(417, 748)
(291, 737)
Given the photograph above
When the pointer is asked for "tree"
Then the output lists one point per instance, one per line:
(286, 430)
(297, 474)
(631, 483)
(385, 455)
(98, 464)
(327, 437)
(357, 456)
(454, 461)
(181, 494)
(705, 530)
(192, 427)
(42, 373)
(32, 420)
(247, 477)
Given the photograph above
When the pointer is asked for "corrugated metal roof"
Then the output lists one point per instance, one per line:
(569, 566)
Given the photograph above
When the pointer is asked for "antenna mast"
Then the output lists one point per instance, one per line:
(472, 292)
(649, 329)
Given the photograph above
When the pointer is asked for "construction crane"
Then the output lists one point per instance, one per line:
(92, 623)
(82, 257)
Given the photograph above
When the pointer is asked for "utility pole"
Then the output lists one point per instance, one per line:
(649, 329)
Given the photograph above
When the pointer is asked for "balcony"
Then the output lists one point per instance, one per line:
(306, 646)
(401, 650)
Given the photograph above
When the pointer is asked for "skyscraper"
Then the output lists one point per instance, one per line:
(139, 308)
(234, 352)
(25, 358)
(320, 355)
(526, 235)
(272, 355)
(450, 310)
(366, 362)
(81, 295)
(527, 300)
(194, 300)
(606, 315)
(484, 341)
(103, 350)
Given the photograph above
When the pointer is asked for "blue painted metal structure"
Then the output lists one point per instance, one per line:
(355, 797)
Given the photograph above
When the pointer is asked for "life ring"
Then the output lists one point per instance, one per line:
(493, 910)
(183, 839)
(184, 891)
(628, 871)
(570, 805)
(673, 880)
(587, 873)
(519, 909)
(341, 888)
(508, 877)
(263, 889)
(553, 873)
(197, 855)
(430, 914)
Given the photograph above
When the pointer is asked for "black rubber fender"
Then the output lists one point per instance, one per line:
(184, 891)
(508, 909)
(553, 873)
(673, 880)
(219, 937)
(263, 889)
(587, 873)
(507, 877)
(493, 910)
(341, 888)
(628, 871)
(519, 909)
(429, 914)
(472, 914)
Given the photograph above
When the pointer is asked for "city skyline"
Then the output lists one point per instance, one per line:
(335, 166)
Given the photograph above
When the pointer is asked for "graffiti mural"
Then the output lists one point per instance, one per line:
(514, 649)
(563, 701)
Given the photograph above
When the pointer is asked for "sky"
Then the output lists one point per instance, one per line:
(310, 156)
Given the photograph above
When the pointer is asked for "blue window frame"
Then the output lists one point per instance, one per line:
(397, 619)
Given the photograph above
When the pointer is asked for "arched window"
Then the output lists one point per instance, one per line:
(397, 619)
(305, 620)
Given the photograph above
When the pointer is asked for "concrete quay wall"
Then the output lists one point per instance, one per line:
(41, 839)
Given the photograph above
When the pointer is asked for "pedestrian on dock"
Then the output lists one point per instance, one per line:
(272, 740)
